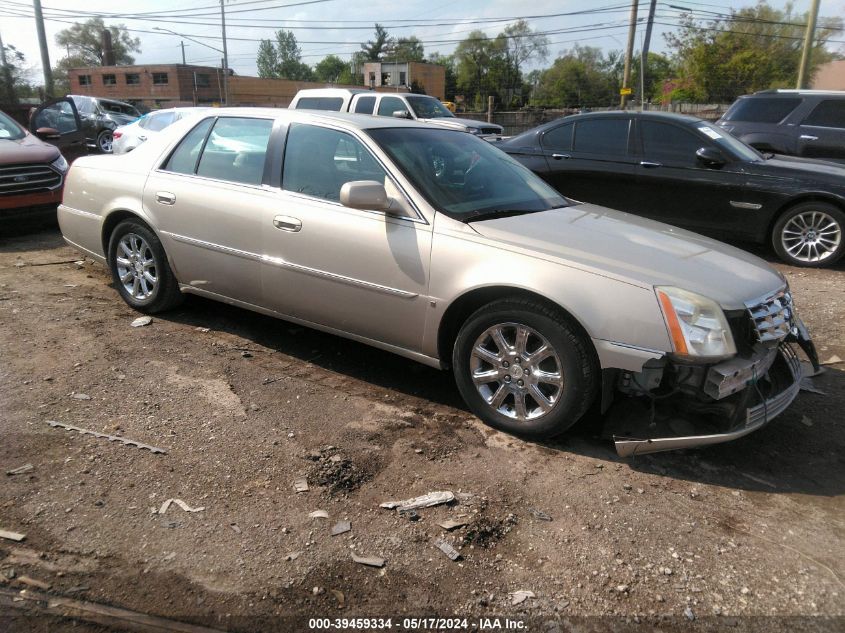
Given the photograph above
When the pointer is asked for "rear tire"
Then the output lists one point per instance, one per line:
(104, 141)
(140, 270)
(810, 235)
(525, 368)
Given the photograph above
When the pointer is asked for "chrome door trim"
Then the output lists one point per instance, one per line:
(746, 205)
(281, 263)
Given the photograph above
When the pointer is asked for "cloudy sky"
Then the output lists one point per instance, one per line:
(339, 26)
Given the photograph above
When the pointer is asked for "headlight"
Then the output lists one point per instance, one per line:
(60, 164)
(697, 325)
(474, 130)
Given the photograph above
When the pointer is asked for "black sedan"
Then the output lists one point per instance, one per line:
(687, 172)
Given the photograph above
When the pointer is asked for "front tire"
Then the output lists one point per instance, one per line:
(140, 270)
(524, 368)
(810, 235)
(105, 139)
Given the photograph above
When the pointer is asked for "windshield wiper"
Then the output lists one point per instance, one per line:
(497, 213)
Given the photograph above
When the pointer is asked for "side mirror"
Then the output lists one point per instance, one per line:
(364, 194)
(47, 132)
(401, 114)
(711, 157)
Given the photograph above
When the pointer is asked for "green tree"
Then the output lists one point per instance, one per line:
(85, 42)
(373, 50)
(330, 69)
(474, 56)
(267, 60)
(581, 77)
(12, 83)
(448, 62)
(754, 48)
(282, 59)
(407, 49)
(518, 45)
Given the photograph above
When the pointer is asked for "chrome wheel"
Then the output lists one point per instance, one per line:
(136, 266)
(516, 371)
(811, 236)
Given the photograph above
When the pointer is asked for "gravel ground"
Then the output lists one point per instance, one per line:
(747, 535)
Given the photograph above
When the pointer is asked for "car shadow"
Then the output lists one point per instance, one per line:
(801, 451)
(41, 235)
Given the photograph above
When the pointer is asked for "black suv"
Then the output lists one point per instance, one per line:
(808, 123)
(100, 117)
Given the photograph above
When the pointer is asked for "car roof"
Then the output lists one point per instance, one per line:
(329, 92)
(793, 92)
(360, 121)
(612, 114)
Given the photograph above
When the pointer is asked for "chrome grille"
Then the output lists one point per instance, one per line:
(772, 317)
(16, 179)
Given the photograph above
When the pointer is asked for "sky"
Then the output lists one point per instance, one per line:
(325, 27)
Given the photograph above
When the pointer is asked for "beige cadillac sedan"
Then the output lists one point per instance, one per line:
(435, 245)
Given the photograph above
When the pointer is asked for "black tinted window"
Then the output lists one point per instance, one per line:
(365, 105)
(184, 159)
(830, 113)
(389, 105)
(762, 109)
(667, 143)
(320, 103)
(235, 150)
(602, 136)
(559, 138)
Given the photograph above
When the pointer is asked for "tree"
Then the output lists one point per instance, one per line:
(407, 49)
(581, 77)
(267, 60)
(375, 49)
(85, 43)
(473, 56)
(519, 45)
(282, 59)
(754, 48)
(448, 62)
(331, 69)
(11, 76)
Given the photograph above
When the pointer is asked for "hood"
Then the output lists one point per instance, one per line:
(29, 149)
(461, 124)
(797, 167)
(637, 250)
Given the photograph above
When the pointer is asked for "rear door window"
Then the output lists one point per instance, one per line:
(365, 105)
(828, 113)
(235, 150)
(602, 136)
(762, 109)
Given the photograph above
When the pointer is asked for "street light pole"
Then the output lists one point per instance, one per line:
(42, 44)
(807, 53)
(225, 55)
(626, 75)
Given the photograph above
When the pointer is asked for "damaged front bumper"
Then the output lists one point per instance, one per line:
(781, 369)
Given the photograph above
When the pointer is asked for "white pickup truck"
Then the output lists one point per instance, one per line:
(402, 105)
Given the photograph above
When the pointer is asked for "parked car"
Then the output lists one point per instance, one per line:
(128, 137)
(435, 245)
(809, 123)
(392, 104)
(690, 173)
(32, 168)
(100, 118)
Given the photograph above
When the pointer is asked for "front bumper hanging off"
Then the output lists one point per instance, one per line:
(789, 367)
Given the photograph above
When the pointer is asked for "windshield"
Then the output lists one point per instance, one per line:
(727, 142)
(428, 107)
(10, 130)
(463, 176)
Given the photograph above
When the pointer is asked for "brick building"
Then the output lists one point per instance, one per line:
(155, 86)
(430, 77)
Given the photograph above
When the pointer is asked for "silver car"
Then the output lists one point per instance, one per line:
(128, 137)
(437, 246)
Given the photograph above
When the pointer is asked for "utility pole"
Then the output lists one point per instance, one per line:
(42, 43)
(182, 44)
(626, 75)
(225, 56)
(646, 45)
(807, 53)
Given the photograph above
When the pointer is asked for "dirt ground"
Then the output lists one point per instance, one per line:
(747, 535)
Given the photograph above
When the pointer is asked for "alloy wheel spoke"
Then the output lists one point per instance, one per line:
(484, 377)
(549, 378)
(126, 277)
(125, 248)
(499, 339)
(519, 406)
(542, 401)
(521, 340)
(486, 355)
(149, 278)
(499, 396)
(136, 287)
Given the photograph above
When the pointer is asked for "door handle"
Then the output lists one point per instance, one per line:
(807, 137)
(287, 223)
(142, 138)
(560, 156)
(650, 164)
(165, 197)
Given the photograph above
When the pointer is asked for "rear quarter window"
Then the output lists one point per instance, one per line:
(762, 110)
(320, 103)
(828, 113)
